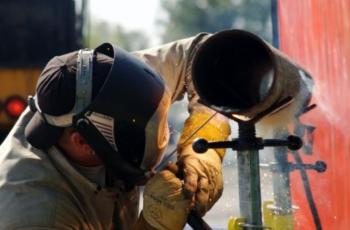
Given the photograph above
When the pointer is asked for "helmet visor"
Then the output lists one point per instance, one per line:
(157, 134)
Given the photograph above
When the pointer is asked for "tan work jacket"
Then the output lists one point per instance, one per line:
(41, 190)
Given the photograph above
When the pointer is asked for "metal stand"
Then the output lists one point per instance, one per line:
(247, 146)
(249, 177)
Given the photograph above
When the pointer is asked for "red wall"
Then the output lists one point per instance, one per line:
(316, 33)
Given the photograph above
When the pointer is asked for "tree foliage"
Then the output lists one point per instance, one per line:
(101, 31)
(188, 17)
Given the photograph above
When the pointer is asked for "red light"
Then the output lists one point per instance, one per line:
(14, 106)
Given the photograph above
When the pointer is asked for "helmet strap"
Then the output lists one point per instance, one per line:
(111, 158)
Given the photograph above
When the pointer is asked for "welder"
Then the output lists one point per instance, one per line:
(94, 132)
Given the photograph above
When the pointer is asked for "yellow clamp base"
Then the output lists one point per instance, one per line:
(234, 223)
(276, 221)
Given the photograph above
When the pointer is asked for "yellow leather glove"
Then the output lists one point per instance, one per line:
(203, 180)
(164, 203)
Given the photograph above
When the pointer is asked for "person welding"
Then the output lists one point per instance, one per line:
(94, 132)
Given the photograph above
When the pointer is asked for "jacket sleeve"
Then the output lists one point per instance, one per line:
(173, 61)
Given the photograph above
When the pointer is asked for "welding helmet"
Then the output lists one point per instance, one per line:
(125, 122)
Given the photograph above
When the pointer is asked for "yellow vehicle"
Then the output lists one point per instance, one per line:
(31, 33)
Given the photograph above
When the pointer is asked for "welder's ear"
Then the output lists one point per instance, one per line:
(73, 141)
(76, 139)
(79, 141)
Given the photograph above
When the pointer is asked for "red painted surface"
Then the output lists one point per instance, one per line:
(316, 33)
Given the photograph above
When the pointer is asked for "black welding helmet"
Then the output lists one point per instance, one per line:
(126, 123)
(125, 120)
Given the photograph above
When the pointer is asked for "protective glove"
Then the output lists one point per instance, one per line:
(202, 173)
(203, 180)
(164, 203)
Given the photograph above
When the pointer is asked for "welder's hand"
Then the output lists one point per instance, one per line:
(164, 203)
(203, 180)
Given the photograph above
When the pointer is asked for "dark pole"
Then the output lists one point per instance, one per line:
(274, 21)
(280, 177)
(249, 178)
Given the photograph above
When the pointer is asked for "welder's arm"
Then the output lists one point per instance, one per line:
(165, 206)
(173, 62)
(202, 172)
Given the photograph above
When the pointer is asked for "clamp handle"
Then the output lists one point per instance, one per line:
(292, 142)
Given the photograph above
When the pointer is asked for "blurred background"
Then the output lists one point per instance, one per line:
(33, 31)
(139, 24)
(314, 33)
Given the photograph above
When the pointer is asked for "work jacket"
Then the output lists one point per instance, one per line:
(42, 190)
